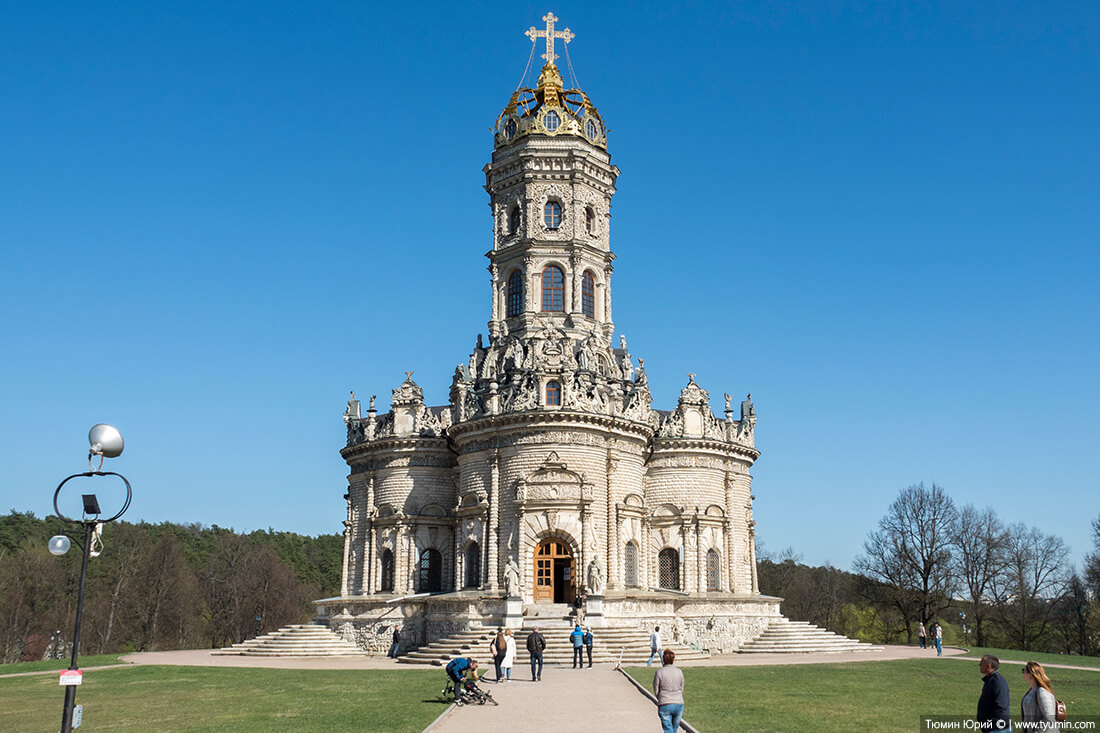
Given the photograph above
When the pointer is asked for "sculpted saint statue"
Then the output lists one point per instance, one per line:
(747, 409)
(595, 577)
(511, 578)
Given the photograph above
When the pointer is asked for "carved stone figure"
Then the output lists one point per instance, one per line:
(595, 577)
(747, 410)
(511, 578)
(351, 412)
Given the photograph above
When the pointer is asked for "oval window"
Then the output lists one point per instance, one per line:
(552, 121)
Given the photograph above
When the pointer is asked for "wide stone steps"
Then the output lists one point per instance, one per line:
(298, 640)
(608, 644)
(800, 637)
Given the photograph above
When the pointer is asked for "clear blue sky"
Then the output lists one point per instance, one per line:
(880, 218)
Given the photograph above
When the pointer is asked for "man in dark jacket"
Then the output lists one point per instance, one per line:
(577, 637)
(588, 643)
(535, 644)
(993, 703)
(396, 641)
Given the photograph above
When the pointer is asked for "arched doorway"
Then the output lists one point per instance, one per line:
(554, 571)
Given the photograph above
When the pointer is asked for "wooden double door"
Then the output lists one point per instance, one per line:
(555, 572)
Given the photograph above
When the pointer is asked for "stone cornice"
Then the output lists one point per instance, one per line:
(408, 444)
(669, 446)
(539, 419)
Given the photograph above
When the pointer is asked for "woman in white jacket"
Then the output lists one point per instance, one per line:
(509, 654)
(1038, 704)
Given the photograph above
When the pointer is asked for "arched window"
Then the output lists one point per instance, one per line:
(553, 393)
(668, 569)
(473, 565)
(630, 563)
(387, 571)
(589, 220)
(588, 294)
(553, 289)
(513, 220)
(515, 294)
(712, 570)
(431, 571)
(551, 215)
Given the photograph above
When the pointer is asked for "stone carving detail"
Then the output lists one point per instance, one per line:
(595, 577)
(511, 578)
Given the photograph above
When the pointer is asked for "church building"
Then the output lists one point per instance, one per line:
(550, 472)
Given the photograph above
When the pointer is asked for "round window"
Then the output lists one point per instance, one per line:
(552, 121)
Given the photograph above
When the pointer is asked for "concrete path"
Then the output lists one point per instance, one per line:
(598, 699)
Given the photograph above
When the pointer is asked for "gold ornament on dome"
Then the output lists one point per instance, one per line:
(529, 110)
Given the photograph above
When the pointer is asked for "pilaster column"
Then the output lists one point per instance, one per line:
(700, 568)
(614, 572)
(369, 582)
(607, 294)
(731, 565)
(458, 574)
(410, 558)
(492, 536)
(347, 550)
(727, 556)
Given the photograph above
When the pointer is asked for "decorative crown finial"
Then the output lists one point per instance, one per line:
(550, 34)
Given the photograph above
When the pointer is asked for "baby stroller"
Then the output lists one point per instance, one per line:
(471, 693)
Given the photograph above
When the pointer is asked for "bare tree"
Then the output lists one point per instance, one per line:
(1073, 617)
(910, 553)
(979, 559)
(1033, 577)
(1092, 561)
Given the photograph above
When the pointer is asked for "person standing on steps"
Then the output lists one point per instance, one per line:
(536, 643)
(654, 645)
(577, 637)
(588, 643)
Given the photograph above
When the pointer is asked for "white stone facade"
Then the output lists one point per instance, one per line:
(549, 443)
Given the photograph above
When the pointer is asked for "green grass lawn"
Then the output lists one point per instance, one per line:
(92, 661)
(866, 696)
(1040, 657)
(145, 698)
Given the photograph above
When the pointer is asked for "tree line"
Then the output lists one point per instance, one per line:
(156, 586)
(988, 582)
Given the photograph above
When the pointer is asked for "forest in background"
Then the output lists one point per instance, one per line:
(156, 586)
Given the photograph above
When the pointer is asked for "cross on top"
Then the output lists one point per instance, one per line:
(550, 34)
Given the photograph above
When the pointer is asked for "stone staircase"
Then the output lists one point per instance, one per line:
(297, 640)
(608, 643)
(800, 637)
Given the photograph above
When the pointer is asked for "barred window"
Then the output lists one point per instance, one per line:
(712, 570)
(513, 220)
(473, 565)
(431, 571)
(590, 220)
(387, 571)
(553, 289)
(515, 294)
(553, 393)
(630, 563)
(551, 215)
(588, 294)
(668, 566)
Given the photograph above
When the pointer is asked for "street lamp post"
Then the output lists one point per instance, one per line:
(106, 442)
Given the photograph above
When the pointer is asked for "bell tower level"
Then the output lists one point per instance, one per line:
(550, 185)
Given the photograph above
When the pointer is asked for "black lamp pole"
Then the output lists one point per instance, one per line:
(91, 506)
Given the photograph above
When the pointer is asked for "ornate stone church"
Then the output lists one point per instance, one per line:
(549, 472)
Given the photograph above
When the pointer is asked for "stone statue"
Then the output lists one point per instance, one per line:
(595, 577)
(727, 401)
(511, 578)
(373, 397)
(622, 342)
(352, 410)
(747, 409)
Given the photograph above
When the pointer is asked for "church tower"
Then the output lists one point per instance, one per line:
(550, 185)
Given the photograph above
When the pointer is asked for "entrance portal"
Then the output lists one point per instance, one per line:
(554, 572)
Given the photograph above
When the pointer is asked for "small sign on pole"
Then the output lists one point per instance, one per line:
(78, 715)
(71, 677)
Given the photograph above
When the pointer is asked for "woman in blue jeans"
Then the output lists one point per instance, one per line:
(668, 686)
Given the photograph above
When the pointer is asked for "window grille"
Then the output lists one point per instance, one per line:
(590, 220)
(431, 571)
(630, 562)
(712, 570)
(515, 294)
(473, 565)
(553, 393)
(551, 215)
(553, 289)
(668, 567)
(387, 571)
(513, 220)
(588, 295)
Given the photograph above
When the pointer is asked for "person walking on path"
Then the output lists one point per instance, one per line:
(922, 634)
(497, 648)
(577, 637)
(939, 639)
(536, 643)
(1038, 705)
(509, 654)
(396, 642)
(668, 687)
(654, 645)
(994, 701)
(588, 643)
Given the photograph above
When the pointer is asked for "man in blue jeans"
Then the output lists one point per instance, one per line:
(577, 637)
(654, 646)
(457, 669)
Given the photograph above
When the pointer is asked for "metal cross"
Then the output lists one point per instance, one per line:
(550, 34)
